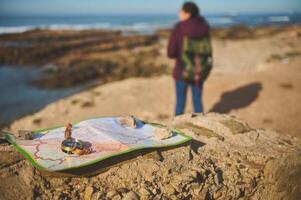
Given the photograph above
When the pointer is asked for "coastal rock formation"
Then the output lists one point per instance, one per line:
(227, 159)
(69, 58)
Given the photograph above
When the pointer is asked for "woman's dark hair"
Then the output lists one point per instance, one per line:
(191, 8)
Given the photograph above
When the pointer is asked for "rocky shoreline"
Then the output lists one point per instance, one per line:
(69, 58)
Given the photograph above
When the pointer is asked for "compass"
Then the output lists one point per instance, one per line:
(72, 145)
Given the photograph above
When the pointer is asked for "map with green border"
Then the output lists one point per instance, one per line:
(106, 136)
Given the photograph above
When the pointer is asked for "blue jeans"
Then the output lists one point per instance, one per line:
(181, 93)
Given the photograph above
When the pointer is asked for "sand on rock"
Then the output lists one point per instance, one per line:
(227, 159)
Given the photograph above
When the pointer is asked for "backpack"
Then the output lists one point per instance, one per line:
(196, 59)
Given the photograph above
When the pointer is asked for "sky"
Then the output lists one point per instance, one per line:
(98, 7)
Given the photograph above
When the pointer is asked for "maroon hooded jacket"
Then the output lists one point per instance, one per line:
(192, 27)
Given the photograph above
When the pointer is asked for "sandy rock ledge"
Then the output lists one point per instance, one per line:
(227, 159)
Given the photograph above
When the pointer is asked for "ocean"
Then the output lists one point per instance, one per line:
(18, 98)
(136, 23)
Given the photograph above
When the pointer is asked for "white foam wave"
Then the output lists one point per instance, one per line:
(143, 27)
(15, 29)
(221, 20)
(137, 27)
(278, 19)
(76, 26)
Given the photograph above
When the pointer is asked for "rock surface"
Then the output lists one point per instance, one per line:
(227, 159)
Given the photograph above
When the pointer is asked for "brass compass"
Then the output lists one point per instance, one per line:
(71, 145)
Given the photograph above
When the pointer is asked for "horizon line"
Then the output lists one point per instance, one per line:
(138, 14)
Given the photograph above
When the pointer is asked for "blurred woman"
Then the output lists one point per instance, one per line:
(186, 47)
